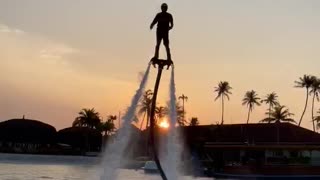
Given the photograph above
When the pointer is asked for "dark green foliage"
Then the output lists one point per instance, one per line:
(108, 126)
(223, 90)
(279, 114)
(305, 82)
(87, 118)
(194, 121)
(145, 106)
(250, 100)
(314, 91)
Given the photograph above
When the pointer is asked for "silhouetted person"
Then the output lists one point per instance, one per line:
(165, 23)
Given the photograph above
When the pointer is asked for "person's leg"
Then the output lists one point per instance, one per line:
(156, 53)
(166, 44)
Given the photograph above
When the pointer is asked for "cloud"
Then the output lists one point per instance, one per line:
(28, 56)
(37, 71)
(56, 52)
(6, 29)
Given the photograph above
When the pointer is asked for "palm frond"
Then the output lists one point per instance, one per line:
(251, 99)
(280, 114)
(305, 82)
(267, 120)
(223, 89)
(289, 120)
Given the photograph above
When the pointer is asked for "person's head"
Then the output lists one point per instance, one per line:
(164, 7)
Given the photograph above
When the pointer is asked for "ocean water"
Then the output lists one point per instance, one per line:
(43, 167)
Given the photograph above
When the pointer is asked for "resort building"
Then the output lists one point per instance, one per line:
(255, 148)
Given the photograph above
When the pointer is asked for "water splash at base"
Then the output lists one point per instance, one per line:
(174, 144)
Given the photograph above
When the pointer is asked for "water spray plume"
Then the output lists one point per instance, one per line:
(113, 154)
(174, 145)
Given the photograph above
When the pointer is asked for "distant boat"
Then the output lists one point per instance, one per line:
(150, 167)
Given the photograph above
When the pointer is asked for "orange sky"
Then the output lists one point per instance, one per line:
(60, 56)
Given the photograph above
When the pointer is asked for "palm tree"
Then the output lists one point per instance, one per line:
(279, 114)
(305, 82)
(180, 115)
(87, 118)
(223, 90)
(108, 127)
(183, 98)
(271, 100)
(250, 99)
(160, 112)
(179, 112)
(194, 121)
(145, 106)
(317, 119)
(315, 91)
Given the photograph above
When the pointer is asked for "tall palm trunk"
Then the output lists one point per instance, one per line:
(305, 106)
(222, 111)
(248, 115)
(183, 111)
(312, 110)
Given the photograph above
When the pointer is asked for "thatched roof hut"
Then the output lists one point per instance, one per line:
(83, 138)
(27, 131)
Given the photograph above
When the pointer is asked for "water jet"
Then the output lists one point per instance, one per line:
(160, 64)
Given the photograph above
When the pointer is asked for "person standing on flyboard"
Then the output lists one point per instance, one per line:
(165, 24)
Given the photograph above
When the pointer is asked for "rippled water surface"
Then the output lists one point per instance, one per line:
(41, 167)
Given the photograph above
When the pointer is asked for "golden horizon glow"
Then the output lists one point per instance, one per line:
(164, 124)
(48, 75)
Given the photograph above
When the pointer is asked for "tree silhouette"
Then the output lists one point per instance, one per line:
(180, 115)
(160, 113)
(305, 82)
(250, 100)
(108, 126)
(279, 114)
(314, 91)
(271, 100)
(87, 118)
(183, 98)
(145, 106)
(223, 90)
(194, 121)
(317, 119)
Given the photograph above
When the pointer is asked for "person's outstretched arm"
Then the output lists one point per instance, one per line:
(171, 22)
(155, 20)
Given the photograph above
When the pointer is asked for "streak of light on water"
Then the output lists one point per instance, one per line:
(40, 167)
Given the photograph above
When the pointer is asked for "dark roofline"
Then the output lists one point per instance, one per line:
(251, 124)
(21, 119)
(28, 121)
(256, 133)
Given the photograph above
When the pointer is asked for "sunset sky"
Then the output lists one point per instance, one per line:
(59, 56)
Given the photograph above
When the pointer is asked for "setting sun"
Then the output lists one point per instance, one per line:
(164, 124)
